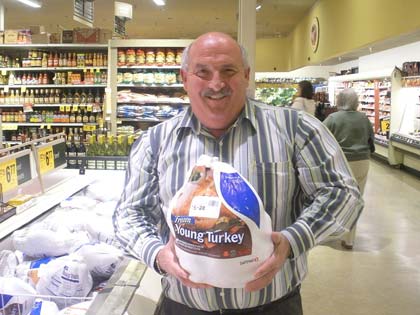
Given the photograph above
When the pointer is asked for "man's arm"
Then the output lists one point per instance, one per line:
(333, 201)
(138, 213)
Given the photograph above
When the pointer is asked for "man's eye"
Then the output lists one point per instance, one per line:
(229, 72)
(202, 73)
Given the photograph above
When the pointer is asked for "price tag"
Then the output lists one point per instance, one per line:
(75, 108)
(68, 108)
(3, 72)
(23, 89)
(6, 89)
(8, 175)
(7, 126)
(89, 127)
(89, 108)
(385, 125)
(62, 108)
(46, 159)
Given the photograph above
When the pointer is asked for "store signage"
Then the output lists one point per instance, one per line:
(122, 13)
(314, 34)
(83, 12)
(51, 156)
(15, 171)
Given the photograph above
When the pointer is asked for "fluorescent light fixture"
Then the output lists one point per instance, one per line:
(31, 3)
(159, 2)
(258, 7)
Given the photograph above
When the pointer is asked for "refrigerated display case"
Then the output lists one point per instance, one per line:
(38, 172)
(405, 124)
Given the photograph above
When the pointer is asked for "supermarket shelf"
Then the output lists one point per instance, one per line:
(40, 86)
(56, 46)
(30, 69)
(149, 67)
(160, 86)
(8, 124)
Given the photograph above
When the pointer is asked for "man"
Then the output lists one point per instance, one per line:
(289, 157)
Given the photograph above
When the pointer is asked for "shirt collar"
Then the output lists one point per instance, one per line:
(190, 122)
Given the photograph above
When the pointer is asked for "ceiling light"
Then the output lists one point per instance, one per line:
(31, 3)
(259, 6)
(159, 2)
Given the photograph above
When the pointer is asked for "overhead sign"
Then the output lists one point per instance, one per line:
(122, 13)
(83, 12)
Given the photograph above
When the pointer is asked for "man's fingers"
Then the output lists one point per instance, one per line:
(261, 282)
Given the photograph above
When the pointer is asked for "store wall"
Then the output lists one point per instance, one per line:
(346, 25)
(272, 54)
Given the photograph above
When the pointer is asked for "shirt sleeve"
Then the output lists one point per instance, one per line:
(138, 214)
(333, 201)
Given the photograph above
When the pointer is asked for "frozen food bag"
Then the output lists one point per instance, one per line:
(28, 270)
(101, 259)
(66, 276)
(16, 296)
(221, 229)
(43, 307)
(8, 263)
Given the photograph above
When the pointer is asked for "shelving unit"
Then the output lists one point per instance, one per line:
(148, 90)
(49, 85)
(375, 91)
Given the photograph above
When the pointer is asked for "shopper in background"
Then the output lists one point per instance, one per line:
(354, 133)
(303, 100)
(290, 158)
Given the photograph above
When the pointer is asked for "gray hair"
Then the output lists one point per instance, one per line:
(186, 56)
(347, 100)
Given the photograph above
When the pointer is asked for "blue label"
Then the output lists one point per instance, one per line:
(36, 309)
(4, 298)
(36, 263)
(239, 196)
(182, 219)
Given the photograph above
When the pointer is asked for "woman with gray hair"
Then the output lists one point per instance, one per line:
(354, 132)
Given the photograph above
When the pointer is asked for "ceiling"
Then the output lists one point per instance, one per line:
(181, 19)
(178, 19)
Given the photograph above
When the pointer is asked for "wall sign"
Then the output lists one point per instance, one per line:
(314, 34)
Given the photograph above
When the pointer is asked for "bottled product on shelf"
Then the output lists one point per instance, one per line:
(54, 85)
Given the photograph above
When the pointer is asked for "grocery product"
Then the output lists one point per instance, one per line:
(221, 229)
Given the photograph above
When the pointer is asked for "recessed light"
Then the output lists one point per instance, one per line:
(31, 3)
(159, 2)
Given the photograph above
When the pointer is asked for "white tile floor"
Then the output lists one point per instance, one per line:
(381, 275)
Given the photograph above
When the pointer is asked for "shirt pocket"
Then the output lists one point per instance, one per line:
(274, 183)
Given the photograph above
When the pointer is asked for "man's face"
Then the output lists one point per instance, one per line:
(216, 81)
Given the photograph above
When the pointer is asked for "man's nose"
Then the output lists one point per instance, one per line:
(217, 82)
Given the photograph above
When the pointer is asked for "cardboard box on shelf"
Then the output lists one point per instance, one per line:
(105, 35)
(67, 36)
(86, 35)
(17, 36)
(40, 39)
(37, 29)
(55, 38)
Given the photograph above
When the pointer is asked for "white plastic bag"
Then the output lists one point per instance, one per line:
(221, 229)
(8, 263)
(16, 296)
(42, 307)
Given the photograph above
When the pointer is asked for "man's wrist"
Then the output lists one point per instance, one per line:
(158, 269)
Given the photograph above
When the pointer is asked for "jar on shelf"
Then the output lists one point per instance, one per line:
(130, 57)
(160, 57)
(150, 57)
(178, 57)
(170, 57)
(140, 57)
(121, 58)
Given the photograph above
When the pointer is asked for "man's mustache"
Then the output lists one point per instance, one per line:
(223, 92)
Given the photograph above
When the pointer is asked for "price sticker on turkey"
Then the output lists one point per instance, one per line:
(8, 175)
(46, 159)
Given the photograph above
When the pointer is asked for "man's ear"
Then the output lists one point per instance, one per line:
(247, 72)
(184, 78)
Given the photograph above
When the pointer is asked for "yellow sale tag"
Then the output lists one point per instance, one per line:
(89, 108)
(46, 159)
(62, 108)
(89, 127)
(6, 89)
(8, 175)
(23, 89)
(68, 108)
(3, 72)
(385, 125)
(75, 108)
(7, 126)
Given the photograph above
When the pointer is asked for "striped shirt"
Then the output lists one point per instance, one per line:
(289, 157)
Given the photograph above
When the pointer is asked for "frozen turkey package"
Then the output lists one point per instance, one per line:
(222, 232)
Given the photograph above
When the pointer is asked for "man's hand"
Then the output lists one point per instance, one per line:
(266, 272)
(169, 263)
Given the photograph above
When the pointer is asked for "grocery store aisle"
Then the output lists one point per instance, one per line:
(381, 275)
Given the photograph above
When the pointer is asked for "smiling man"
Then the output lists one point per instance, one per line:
(289, 157)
